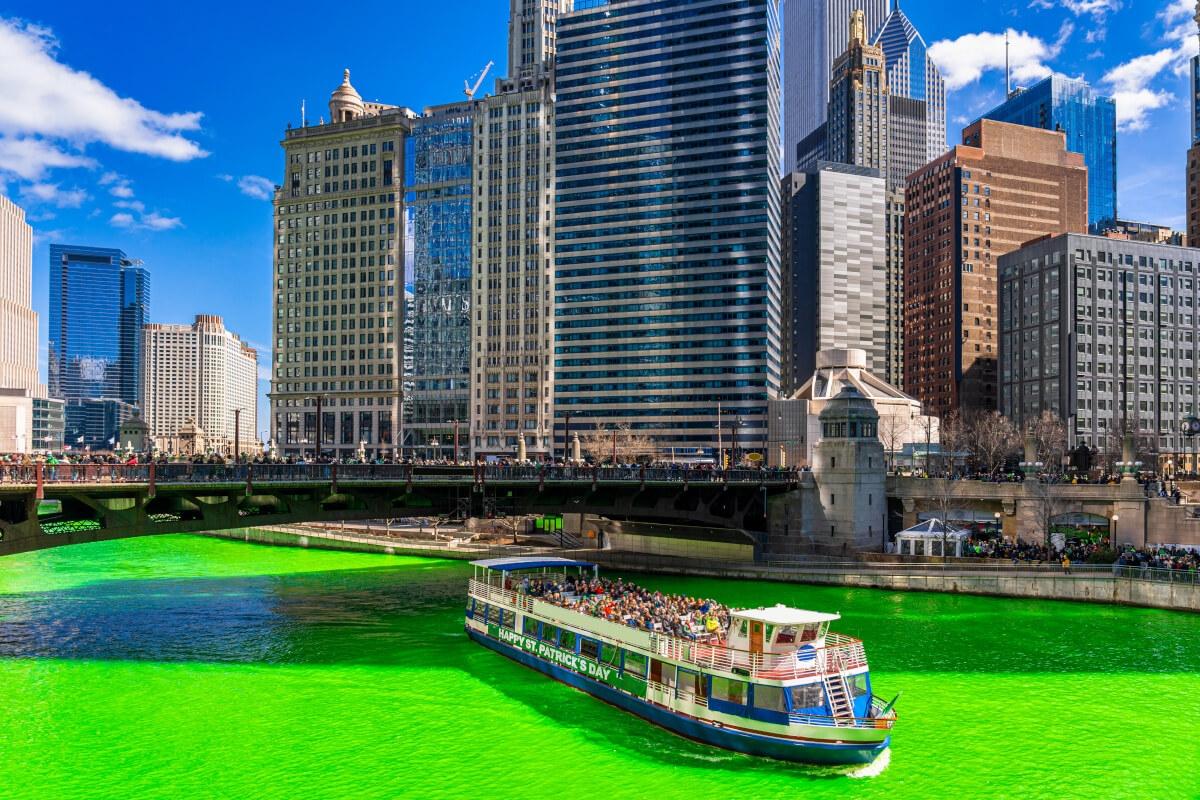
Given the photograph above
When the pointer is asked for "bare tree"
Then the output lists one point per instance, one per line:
(954, 439)
(993, 438)
(892, 430)
(1050, 440)
(629, 446)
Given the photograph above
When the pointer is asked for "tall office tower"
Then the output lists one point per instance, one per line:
(856, 131)
(99, 301)
(437, 223)
(814, 33)
(667, 271)
(789, 314)
(1007, 184)
(1089, 121)
(838, 265)
(339, 281)
(20, 382)
(1193, 156)
(912, 76)
(1101, 331)
(201, 374)
(511, 373)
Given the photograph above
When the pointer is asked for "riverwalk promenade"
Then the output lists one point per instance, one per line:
(1089, 583)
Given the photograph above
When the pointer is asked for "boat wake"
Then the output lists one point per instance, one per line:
(875, 768)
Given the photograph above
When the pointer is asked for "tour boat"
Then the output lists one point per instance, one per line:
(764, 681)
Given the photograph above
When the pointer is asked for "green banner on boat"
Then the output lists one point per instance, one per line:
(584, 666)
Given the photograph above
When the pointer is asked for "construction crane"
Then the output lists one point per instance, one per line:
(470, 90)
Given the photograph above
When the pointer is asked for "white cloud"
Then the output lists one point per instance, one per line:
(46, 98)
(133, 205)
(153, 221)
(1177, 9)
(53, 194)
(225, 176)
(964, 60)
(1131, 82)
(1097, 8)
(256, 186)
(30, 159)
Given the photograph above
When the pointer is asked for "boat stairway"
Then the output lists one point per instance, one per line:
(837, 691)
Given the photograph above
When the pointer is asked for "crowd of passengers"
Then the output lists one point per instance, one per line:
(629, 604)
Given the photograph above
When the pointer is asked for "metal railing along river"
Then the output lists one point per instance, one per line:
(183, 472)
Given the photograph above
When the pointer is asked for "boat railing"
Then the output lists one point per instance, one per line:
(839, 654)
(882, 718)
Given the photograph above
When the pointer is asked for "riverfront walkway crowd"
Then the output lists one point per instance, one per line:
(628, 604)
(1130, 562)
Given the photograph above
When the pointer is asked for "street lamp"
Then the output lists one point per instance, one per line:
(1112, 530)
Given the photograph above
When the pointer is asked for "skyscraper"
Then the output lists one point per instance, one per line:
(203, 374)
(1007, 184)
(1193, 156)
(838, 261)
(437, 222)
(1088, 119)
(339, 273)
(99, 300)
(667, 272)
(513, 186)
(20, 382)
(815, 32)
(857, 128)
(918, 94)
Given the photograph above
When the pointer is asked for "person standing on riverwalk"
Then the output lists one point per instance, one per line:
(1066, 564)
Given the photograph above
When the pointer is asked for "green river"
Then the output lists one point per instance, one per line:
(189, 667)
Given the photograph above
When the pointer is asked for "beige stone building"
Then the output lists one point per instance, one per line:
(512, 263)
(20, 381)
(200, 374)
(337, 347)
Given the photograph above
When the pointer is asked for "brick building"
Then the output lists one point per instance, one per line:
(1005, 185)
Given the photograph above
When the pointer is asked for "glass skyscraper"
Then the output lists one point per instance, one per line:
(912, 74)
(437, 217)
(667, 273)
(99, 301)
(1088, 119)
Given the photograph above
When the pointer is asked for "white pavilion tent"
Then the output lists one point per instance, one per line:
(929, 537)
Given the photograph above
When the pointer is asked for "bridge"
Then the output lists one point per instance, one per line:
(43, 506)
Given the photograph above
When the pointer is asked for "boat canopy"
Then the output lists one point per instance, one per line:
(513, 563)
(784, 615)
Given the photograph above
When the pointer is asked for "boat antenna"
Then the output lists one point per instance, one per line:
(1007, 70)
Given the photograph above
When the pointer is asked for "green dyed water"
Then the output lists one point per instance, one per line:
(190, 667)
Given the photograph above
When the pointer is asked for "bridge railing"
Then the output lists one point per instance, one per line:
(183, 472)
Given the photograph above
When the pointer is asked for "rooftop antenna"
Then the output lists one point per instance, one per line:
(303, 124)
(1007, 70)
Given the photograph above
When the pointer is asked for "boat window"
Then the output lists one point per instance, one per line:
(493, 614)
(549, 633)
(635, 664)
(568, 641)
(610, 654)
(858, 684)
(470, 605)
(481, 610)
(589, 648)
(530, 627)
(691, 683)
(729, 690)
(808, 696)
(745, 628)
(508, 619)
(769, 633)
(768, 698)
(786, 636)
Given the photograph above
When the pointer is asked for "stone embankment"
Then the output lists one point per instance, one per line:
(1083, 585)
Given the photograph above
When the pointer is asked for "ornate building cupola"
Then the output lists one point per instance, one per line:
(345, 103)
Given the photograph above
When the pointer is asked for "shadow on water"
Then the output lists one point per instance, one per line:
(410, 616)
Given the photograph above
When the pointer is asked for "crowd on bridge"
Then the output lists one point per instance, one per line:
(632, 605)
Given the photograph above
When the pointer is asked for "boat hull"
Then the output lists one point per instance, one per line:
(801, 750)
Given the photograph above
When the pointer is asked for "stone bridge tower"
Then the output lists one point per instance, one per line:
(850, 474)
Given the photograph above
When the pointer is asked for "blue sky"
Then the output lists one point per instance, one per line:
(154, 127)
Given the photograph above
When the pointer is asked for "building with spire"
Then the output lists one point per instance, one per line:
(917, 95)
(857, 127)
(814, 33)
(338, 288)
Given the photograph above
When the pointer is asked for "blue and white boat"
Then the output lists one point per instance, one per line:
(765, 681)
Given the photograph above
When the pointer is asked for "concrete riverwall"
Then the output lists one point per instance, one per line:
(1090, 588)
